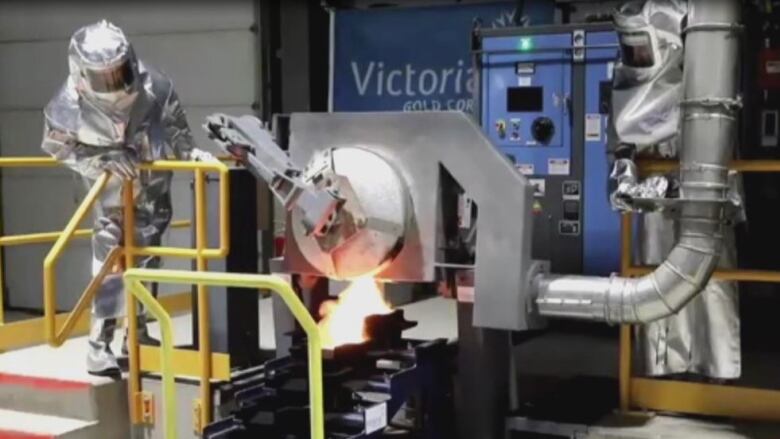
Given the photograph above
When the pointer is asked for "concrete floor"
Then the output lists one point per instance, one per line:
(436, 318)
(672, 427)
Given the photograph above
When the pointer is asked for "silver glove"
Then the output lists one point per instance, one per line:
(122, 162)
(109, 233)
(629, 187)
(200, 155)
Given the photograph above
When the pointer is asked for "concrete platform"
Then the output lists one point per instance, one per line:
(641, 426)
(674, 427)
(52, 389)
(46, 393)
(19, 425)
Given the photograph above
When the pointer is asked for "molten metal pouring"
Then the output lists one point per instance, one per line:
(343, 319)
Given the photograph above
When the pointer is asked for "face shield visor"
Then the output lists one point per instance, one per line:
(110, 80)
(636, 49)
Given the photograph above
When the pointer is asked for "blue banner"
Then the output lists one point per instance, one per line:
(414, 59)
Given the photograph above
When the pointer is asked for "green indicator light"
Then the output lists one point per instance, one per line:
(525, 45)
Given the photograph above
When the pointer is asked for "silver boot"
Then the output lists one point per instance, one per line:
(143, 335)
(100, 359)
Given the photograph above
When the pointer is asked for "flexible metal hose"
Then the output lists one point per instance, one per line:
(708, 136)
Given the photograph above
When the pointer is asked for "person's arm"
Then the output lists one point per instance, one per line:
(177, 130)
(88, 160)
(179, 134)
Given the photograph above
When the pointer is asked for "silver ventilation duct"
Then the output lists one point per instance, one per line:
(708, 135)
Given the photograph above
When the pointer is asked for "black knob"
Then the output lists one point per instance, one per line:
(543, 130)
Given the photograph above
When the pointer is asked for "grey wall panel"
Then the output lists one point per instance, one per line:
(30, 73)
(40, 203)
(36, 203)
(20, 135)
(215, 68)
(24, 274)
(25, 20)
(206, 47)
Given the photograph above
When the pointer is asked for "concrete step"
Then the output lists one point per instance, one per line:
(51, 382)
(62, 398)
(20, 425)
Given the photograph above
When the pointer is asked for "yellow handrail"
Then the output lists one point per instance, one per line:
(49, 162)
(43, 237)
(133, 283)
(49, 264)
(200, 253)
(649, 166)
(28, 162)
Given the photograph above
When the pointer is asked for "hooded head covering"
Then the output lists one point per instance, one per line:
(103, 67)
(648, 84)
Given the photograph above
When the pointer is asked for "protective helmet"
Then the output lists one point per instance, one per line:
(648, 31)
(103, 64)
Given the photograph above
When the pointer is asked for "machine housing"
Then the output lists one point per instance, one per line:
(544, 101)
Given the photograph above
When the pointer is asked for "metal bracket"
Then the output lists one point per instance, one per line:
(578, 42)
(145, 401)
(247, 139)
(733, 27)
(535, 320)
(197, 411)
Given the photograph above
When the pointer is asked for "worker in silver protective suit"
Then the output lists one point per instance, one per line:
(703, 338)
(112, 113)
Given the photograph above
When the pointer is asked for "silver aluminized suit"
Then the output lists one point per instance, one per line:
(93, 126)
(704, 337)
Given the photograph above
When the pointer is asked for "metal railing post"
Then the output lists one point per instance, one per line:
(624, 366)
(135, 288)
(252, 282)
(2, 290)
(204, 308)
(134, 379)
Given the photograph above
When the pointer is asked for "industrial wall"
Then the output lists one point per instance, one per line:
(208, 48)
(579, 11)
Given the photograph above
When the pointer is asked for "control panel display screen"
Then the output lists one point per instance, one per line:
(524, 99)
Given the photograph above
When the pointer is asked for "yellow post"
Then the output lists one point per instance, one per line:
(252, 282)
(204, 309)
(2, 291)
(136, 289)
(133, 380)
(624, 370)
(224, 211)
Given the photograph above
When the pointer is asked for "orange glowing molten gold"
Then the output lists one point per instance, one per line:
(343, 320)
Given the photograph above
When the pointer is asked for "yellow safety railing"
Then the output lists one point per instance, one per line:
(133, 283)
(201, 253)
(25, 332)
(688, 397)
(55, 338)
